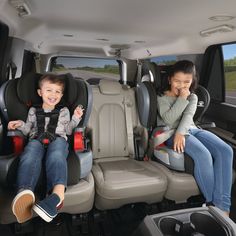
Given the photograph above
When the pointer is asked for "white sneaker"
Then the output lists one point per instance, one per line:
(22, 205)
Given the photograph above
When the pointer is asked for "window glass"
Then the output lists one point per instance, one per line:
(164, 60)
(91, 69)
(229, 54)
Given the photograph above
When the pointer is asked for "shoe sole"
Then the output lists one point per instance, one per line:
(42, 213)
(22, 206)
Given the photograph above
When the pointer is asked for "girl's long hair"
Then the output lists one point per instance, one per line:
(184, 66)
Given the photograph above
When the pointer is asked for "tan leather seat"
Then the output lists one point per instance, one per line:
(119, 178)
(181, 186)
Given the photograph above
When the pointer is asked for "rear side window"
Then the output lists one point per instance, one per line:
(90, 69)
(229, 54)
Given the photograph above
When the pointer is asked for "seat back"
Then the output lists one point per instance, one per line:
(112, 106)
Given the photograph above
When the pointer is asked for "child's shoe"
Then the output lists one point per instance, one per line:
(47, 208)
(22, 205)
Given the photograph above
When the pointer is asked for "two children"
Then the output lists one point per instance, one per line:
(47, 127)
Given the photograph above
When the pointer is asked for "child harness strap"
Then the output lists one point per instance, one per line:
(49, 135)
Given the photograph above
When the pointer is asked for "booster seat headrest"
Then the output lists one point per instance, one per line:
(27, 89)
(28, 84)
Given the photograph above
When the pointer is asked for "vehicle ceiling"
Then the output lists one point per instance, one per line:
(139, 28)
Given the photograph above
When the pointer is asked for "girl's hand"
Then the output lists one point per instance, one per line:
(12, 125)
(184, 92)
(79, 111)
(179, 143)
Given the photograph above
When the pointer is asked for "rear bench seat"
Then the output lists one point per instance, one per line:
(119, 178)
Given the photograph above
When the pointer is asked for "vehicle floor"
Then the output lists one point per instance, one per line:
(119, 222)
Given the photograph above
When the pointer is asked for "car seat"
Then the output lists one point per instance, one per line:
(181, 185)
(16, 96)
(119, 178)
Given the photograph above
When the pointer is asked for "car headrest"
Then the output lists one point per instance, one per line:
(146, 78)
(109, 87)
(155, 70)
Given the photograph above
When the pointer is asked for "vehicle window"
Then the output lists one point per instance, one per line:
(164, 60)
(92, 69)
(229, 54)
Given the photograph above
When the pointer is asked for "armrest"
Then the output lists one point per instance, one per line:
(18, 139)
(80, 140)
(13, 133)
(206, 125)
(83, 151)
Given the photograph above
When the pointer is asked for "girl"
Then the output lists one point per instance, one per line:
(212, 157)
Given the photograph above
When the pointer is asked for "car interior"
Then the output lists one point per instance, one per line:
(114, 57)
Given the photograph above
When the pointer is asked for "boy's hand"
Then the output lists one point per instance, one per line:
(179, 143)
(79, 111)
(12, 125)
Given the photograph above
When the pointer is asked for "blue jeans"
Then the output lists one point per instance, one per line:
(213, 164)
(31, 163)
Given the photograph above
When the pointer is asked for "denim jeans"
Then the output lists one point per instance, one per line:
(213, 164)
(31, 159)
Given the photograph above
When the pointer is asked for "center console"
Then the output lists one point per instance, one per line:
(203, 221)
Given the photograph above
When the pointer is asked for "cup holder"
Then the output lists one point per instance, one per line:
(195, 224)
(207, 225)
(171, 226)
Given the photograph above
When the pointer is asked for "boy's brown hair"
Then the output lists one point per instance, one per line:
(54, 79)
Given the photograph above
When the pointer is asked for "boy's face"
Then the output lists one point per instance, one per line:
(51, 94)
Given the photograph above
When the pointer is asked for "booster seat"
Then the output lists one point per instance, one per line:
(16, 96)
(181, 185)
(147, 104)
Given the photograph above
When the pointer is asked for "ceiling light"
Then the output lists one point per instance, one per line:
(140, 41)
(220, 28)
(103, 39)
(68, 35)
(221, 18)
(21, 7)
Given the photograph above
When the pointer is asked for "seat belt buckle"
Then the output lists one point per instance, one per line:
(158, 132)
(146, 158)
(45, 141)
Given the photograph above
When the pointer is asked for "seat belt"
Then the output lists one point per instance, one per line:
(129, 124)
(37, 63)
(139, 71)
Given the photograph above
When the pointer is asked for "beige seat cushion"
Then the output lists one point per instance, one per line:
(120, 181)
(180, 186)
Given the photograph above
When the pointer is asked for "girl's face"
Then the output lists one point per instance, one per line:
(51, 94)
(180, 81)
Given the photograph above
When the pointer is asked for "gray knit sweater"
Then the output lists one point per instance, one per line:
(177, 112)
(64, 127)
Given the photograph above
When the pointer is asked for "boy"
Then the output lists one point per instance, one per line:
(47, 128)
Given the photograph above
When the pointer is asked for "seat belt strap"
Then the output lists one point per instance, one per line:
(129, 124)
(37, 63)
(139, 71)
